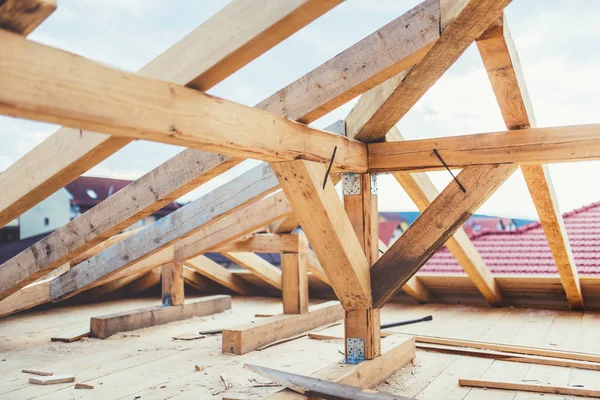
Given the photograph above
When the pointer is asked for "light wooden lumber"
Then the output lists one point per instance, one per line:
(530, 387)
(217, 204)
(107, 325)
(501, 60)
(23, 16)
(199, 282)
(30, 296)
(461, 22)
(248, 337)
(211, 270)
(529, 146)
(53, 379)
(36, 372)
(145, 282)
(396, 353)
(193, 60)
(314, 266)
(102, 246)
(258, 266)
(109, 287)
(172, 287)
(433, 228)
(153, 110)
(264, 243)
(328, 229)
(294, 278)
(422, 192)
(71, 336)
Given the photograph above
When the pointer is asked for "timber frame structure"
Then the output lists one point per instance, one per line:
(259, 211)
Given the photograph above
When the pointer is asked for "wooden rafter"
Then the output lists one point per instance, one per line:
(213, 271)
(422, 192)
(265, 243)
(460, 23)
(501, 60)
(197, 59)
(258, 266)
(23, 16)
(449, 211)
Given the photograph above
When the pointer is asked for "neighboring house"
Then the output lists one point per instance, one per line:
(525, 249)
(477, 225)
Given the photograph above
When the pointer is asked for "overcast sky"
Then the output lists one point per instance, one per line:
(557, 40)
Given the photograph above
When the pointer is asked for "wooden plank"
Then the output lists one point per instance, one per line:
(314, 266)
(145, 282)
(217, 204)
(501, 60)
(193, 60)
(313, 387)
(71, 336)
(328, 229)
(422, 192)
(102, 246)
(52, 380)
(530, 146)
(107, 325)
(30, 296)
(435, 225)
(461, 22)
(23, 16)
(530, 387)
(211, 270)
(36, 372)
(223, 127)
(258, 266)
(264, 243)
(248, 337)
(391, 49)
(397, 352)
(109, 287)
(294, 278)
(172, 284)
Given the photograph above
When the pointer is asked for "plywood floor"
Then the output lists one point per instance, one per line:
(149, 364)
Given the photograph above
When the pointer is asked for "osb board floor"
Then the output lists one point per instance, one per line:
(149, 364)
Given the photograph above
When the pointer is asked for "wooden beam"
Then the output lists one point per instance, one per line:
(529, 387)
(102, 246)
(422, 192)
(529, 146)
(213, 271)
(108, 288)
(398, 351)
(265, 243)
(461, 22)
(314, 266)
(434, 227)
(208, 209)
(55, 96)
(145, 282)
(258, 266)
(294, 278)
(196, 60)
(23, 16)
(501, 60)
(172, 284)
(107, 325)
(30, 296)
(328, 229)
(248, 337)
(199, 282)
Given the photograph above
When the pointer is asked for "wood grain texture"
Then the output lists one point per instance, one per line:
(107, 325)
(422, 192)
(294, 278)
(102, 246)
(248, 337)
(258, 266)
(265, 243)
(172, 284)
(501, 60)
(211, 270)
(199, 282)
(328, 229)
(435, 225)
(461, 22)
(530, 387)
(183, 222)
(23, 16)
(529, 146)
(164, 112)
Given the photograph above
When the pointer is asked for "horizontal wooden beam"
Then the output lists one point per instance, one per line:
(211, 270)
(219, 203)
(530, 387)
(449, 211)
(258, 266)
(153, 110)
(264, 243)
(23, 16)
(529, 146)
(248, 337)
(107, 325)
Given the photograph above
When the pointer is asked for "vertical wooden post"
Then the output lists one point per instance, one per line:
(294, 277)
(360, 202)
(172, 284)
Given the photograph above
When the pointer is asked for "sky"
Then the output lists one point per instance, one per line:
(557, 41)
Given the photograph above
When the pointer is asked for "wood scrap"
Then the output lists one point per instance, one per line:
(263, 315)
(211, 332)
(37, 372)
(72, 336)
(199, 367)
(83, 386)
(527, 387)
(52, 380)
(320, 388)
(188, 336)
(225, 384)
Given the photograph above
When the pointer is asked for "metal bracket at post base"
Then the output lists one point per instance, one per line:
(355, 351)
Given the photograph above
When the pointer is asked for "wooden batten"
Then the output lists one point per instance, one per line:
(294, 277)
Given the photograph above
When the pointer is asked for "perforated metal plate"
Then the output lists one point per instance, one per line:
(374, 188)
(351, 183)
(355, 348)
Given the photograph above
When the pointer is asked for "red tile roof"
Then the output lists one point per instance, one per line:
(526, 251)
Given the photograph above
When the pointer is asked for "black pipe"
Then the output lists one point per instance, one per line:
(412, 321)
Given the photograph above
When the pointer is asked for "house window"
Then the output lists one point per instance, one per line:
(91, 193)
(46, 221)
